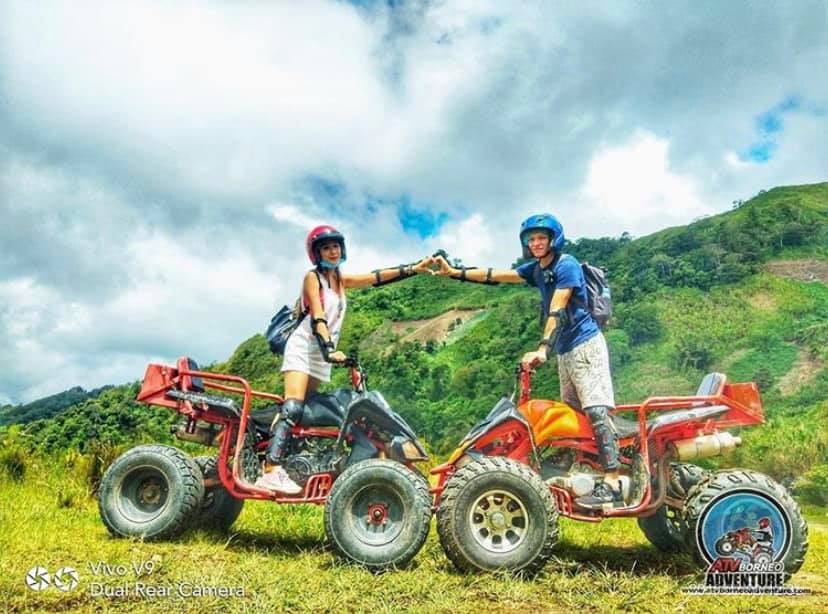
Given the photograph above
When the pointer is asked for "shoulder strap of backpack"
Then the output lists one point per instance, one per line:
(306, 302)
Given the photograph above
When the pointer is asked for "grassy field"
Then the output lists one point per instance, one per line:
(276, 555)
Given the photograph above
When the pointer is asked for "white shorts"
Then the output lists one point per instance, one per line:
(303, 355)
(585, 377)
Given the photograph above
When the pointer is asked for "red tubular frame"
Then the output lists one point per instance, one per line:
(161, 378)
(744, 409)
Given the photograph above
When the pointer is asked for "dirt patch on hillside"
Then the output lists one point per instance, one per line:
(433, 329)
(808, 269)
(763, 301)
(803, 372)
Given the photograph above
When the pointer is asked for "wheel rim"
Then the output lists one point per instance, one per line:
(376, 515)
(499, 521)
(143, 494)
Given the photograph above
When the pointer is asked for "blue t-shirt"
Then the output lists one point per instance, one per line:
(580, 325)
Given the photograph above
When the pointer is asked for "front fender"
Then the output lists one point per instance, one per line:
(502, 422)
(372, 408)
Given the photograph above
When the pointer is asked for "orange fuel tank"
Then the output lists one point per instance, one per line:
(555, 420)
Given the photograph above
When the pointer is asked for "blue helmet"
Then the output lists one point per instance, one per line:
(542, 221)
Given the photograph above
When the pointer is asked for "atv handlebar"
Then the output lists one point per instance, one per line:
(349, 362)
(523, 383)
(359, 379)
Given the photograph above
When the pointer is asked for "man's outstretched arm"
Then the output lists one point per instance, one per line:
(475, 275)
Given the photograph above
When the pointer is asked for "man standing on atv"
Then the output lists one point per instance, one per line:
(570, 330)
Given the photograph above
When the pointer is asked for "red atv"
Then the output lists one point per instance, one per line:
(501, 492)
(754, 544)
(350, 452)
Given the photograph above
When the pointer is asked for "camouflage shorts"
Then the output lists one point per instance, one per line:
(585, 375)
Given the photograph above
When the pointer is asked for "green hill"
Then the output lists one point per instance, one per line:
(691, 299)
(46, 407)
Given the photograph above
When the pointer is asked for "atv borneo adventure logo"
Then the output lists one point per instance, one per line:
(744, 536)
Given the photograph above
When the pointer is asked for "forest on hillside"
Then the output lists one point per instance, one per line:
(688, 300)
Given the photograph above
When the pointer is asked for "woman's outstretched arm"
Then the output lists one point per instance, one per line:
(381, 277)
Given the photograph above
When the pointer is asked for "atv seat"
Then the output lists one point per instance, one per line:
(320, 410)
(711, 385)
(263, 418)
(222, 405)
(629, 428)
(188, 382)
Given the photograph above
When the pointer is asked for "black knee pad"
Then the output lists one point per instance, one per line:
(606, 438)
(292, 410)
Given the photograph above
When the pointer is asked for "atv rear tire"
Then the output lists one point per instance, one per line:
(665, 529)
(378, 514)
(150, 491)
(497, 514)
(740, 497)
(219, 509)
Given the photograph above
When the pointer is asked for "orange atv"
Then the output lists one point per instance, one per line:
(499, 496)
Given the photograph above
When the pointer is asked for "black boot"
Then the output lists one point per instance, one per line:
(601, 495)
(289, 414)
(606, 439)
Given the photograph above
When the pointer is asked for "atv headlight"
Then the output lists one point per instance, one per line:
(403, 448)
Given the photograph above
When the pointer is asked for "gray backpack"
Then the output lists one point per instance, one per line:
(599, 297)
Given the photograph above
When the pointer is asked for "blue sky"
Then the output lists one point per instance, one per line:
(769, 127)
(423, 223)
(149, 148)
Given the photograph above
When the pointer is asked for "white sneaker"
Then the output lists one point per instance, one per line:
(278, 480)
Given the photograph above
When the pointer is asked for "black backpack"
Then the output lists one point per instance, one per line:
(287, 320)
(599, 297)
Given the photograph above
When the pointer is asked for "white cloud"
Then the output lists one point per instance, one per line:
(633, 187)
(470, 239)
(293, 215)
(155, 155)
(733, 160)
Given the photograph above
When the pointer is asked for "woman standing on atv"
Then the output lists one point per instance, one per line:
(311, 349)
(569, 329)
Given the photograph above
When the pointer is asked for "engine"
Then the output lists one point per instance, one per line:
(311, 456)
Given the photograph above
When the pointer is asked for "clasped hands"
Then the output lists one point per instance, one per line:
(427, 265)
(444, 269)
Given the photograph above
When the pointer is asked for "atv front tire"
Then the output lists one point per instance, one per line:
(665, 529)
(497, 514)
(738, 498)
(151, 491)
(378, 514)
(219, 509)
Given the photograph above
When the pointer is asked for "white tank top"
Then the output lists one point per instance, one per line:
(335, 306)
(302, 351)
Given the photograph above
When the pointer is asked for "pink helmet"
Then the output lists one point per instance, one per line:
(317, 236)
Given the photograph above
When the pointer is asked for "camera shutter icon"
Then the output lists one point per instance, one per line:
(66, 578)
(38, 579)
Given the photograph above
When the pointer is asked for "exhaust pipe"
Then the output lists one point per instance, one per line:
(705, 446)
(185, 431)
